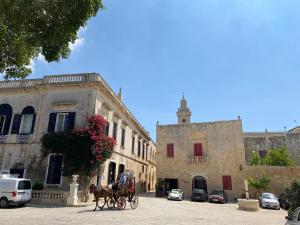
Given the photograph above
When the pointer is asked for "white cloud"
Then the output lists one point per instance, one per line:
(79, 41)
(31, 65)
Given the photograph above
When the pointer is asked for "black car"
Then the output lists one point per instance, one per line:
(199, 195)
(218, 195)
(285, 199)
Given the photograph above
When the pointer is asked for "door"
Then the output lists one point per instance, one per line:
(54, 169)
(24, 190)
(111, 172)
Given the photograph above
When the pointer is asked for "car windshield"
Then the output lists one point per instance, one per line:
(217, 192)
(268, 196)
(176, 191)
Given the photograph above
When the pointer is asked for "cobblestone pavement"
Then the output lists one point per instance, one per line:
(151, 211)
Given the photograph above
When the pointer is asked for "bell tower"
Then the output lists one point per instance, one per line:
(184, 113)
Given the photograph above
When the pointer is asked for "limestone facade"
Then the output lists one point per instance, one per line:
(29, 108)
(219, 161)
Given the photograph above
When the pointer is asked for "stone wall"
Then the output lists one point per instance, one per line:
(280, 177)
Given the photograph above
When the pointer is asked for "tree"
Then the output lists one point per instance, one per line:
(84, 150)
(255, 160)
(259, 184)
(294, 192)
(32, 27)
(274, 157)
(278, 157)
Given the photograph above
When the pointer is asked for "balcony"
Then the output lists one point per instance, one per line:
(197, 159)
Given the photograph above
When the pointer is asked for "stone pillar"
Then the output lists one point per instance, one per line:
(246, 189)
(73, 197)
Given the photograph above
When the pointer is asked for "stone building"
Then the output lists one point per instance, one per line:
(261, 142)
(206, 155)
(30, 108)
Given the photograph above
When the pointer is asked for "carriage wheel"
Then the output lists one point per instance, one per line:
(101, 203)
(121, 202)
(134, 202)
(110, 202)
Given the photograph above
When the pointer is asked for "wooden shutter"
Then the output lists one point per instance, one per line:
(170, 150)
(198, 149)
(16, 124)
(71, 120)
(227, 185)
(52, 121)
(33, 123)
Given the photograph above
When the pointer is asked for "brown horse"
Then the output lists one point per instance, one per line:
(104, 193)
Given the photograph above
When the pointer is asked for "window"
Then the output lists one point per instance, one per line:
(106, 130)
(2, 123)
(198, 149)
(62, 122)
(262, 154)
(139, 148)
(143, 153)
(132, 145)
(123, 138)
(26, 124)
(115, 129)
(170, 150)
(227, 185)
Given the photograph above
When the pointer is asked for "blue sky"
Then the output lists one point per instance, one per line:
(229, 57)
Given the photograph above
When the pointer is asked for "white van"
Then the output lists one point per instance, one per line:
(14, 191)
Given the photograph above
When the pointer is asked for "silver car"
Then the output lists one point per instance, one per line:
(269, 200)
(175, 194)
(294, 217)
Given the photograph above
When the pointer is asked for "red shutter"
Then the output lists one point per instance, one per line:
(170, 150)
(198, 149)
(227, 185)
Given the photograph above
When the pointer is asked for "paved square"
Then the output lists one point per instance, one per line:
(151, 211)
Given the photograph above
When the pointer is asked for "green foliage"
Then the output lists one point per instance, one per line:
(259, 183)
(294, 189)
(160, 184)
(255, 159)
(31, 27)
(278, 157)
(274, 157)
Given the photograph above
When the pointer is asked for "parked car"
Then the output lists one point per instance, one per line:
(293, 218)
(269, 200)
(175, 194)
(14, 191)
(199, 195)
(218, 195)
(284, 200)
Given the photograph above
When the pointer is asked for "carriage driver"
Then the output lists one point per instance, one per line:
(130, 189)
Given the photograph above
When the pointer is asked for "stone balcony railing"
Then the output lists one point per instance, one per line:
(50, 80)
(196, 159)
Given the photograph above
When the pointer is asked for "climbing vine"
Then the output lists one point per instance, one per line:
(84, 149)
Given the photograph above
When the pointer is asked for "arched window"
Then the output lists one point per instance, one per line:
(5, 118)
(24, 123)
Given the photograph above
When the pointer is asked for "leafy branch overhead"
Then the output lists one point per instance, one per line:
(32, 27)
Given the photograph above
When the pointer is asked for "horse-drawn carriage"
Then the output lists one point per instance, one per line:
(117, 195)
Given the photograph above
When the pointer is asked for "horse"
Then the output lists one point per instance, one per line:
(100, 193)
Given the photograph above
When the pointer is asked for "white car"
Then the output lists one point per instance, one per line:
(293, 218)
(175, 194)
(14, 191)
(269, 200)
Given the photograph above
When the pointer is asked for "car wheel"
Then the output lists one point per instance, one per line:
(4, 203)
